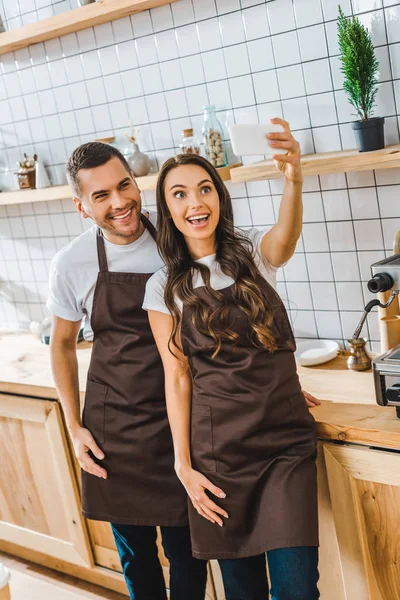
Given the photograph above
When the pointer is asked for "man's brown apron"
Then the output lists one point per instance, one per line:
(253, 436)
(125, 409)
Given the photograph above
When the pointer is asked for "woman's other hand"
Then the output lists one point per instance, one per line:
(311, 401)
(196, 485)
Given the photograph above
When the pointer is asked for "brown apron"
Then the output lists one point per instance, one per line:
(125, 409)
(253, 436)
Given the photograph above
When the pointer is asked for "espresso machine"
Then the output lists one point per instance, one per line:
(386, 368)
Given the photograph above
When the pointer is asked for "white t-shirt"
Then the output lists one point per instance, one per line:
(74, 271)
(154, 297)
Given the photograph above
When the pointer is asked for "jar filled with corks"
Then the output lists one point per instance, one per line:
(188, 144)
(213, 138)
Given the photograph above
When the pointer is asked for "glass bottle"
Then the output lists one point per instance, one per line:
(188, 144)
(213, 138)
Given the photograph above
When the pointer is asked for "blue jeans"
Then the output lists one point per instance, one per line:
(293, 572)
(137, 549)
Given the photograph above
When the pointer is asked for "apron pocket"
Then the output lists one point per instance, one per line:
(202, 449)
(94, 408)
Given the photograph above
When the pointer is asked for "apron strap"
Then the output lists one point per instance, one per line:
(149, 226)
(101, 249)
(101, 252)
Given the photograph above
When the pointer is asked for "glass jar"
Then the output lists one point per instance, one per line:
(213, 138)
(188, 144)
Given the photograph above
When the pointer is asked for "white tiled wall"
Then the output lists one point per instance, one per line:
(253, 60)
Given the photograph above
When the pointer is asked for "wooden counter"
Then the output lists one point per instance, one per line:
(358, 471)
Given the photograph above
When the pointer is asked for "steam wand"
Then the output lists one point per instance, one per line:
(368, 309)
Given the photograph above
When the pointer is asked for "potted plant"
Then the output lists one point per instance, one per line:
(360, 69)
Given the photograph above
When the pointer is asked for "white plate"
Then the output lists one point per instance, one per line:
(315, 352)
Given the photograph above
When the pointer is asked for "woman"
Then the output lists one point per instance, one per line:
(240, 425)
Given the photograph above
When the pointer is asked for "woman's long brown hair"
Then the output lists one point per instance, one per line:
(234, 253)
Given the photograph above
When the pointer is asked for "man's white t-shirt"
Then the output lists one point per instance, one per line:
(74, 271)
(154, 297)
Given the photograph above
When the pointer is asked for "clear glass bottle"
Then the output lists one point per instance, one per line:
(213, 138)
(188, 144)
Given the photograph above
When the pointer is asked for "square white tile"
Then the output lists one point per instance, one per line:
(364, 203)
(192, 69)
(241, 91)
(350, 295)
(171, 74)
(127, 57)
(304, 324)
(132, 83)
(395, 59)
(375, 23)
(220, 94)
(122, 29)
(156, 107)
(109, 59)
(366, 259)
(256, 22)
(390, 228)
(232, 28)
(341, 236)
(161, 133)
(336, 205)
(79, 95)
(209, 34)
(204, 9)
(291, 81)
(197, 97)
(313, 210)
(388, 197)
(141, 24)
(360, 179)
(151, 79)
(91, 64)
(345, 266)
(177, 104)
(368, 234)
(312, 42)
(392, 16)
(182, 12)
(307, 12)
(214, 65)
(137, 111)
(104, 35)
(317, 76)
(296, 269)
(327, 139)
(167, 46)
(187, 40)
(286, 49)
(262, 211)
(299, 294)
(225, 6)
(237, 60)
(296, 113)
(241, 212)
(322, 109)
(328, 324)
(261, 54)
(161, 18)
(324, 295)
(114, 88)
(146, 50)
(315, 237)
(281, 16)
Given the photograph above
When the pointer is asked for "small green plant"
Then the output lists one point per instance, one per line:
(359, 64)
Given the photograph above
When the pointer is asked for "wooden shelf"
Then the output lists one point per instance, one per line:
(324, 163)
(61, 192)
(90, 15)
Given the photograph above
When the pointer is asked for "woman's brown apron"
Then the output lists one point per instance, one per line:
(125, 409)
(253, 436)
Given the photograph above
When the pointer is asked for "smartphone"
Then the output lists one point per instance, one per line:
(248, 140)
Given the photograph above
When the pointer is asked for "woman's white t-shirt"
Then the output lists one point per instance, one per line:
(154, 296)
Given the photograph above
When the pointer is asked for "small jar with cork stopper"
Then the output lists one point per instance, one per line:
(188, 144)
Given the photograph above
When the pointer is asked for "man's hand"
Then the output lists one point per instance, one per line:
(311, 401)
(83, 441)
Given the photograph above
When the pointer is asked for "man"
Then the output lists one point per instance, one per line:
(123, 444)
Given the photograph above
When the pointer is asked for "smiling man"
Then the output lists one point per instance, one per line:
(123, 443)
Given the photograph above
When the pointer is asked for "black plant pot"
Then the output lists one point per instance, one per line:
(369, 134)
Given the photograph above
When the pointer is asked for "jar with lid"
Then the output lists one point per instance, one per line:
(213, 138)
(188, 144)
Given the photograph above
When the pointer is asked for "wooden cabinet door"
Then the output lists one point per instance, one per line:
(364, 486)
(39, 499)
